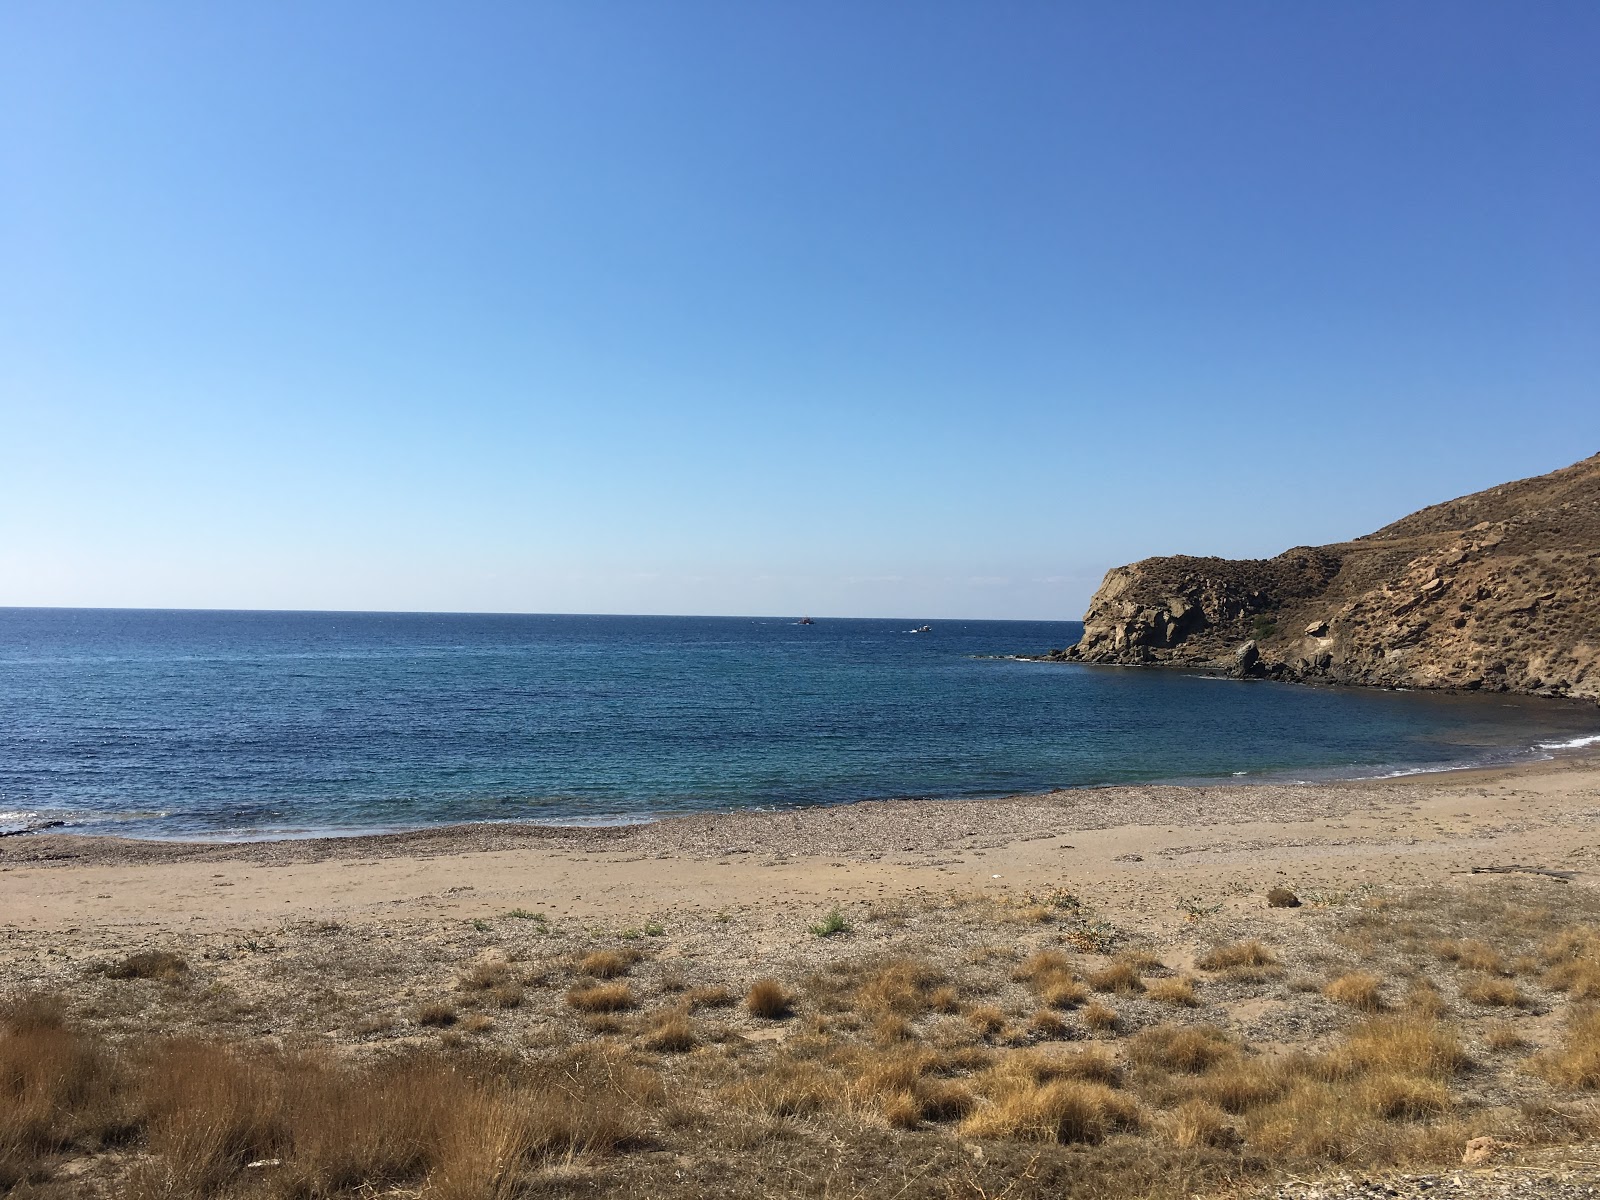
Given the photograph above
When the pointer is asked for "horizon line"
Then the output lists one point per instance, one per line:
(426, 612)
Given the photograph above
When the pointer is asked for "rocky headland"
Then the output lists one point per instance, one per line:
(1498, 591)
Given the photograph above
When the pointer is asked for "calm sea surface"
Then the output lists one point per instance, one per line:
(183, 724)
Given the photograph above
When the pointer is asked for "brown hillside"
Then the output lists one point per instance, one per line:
(1498, 590)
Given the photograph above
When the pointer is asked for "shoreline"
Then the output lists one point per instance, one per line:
(1527, 757)
(1153, 841)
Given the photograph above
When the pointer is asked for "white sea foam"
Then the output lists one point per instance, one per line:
(1592, 739)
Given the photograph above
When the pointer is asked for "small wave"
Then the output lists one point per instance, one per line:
(1592, 739)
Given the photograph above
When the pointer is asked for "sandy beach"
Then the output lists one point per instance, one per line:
(807, 1003)
(1134, 847)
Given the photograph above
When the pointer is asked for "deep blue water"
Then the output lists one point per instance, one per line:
(174, 724)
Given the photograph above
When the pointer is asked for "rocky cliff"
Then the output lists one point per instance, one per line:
(1499, 590)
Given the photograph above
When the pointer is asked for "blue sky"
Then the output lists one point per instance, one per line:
(861, 309)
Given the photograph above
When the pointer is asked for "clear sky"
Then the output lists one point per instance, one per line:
(914, 309)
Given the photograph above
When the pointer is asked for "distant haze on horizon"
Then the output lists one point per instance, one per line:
(935, 310)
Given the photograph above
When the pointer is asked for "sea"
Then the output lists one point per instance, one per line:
(225, 725)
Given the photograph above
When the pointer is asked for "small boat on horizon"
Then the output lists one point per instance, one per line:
(805, 621)
(921, 629)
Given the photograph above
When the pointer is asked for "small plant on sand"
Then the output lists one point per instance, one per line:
(1493, 992)
(1178, 992)
(605, 964)
(149, 964)
(601, 997)
(831, 925)
(1576, 1062)
(1236, 954)
(714, 996)
(1504, 1037)
(436, 1014)
(1100, 1018)
(1118, 976)
(1358, 989)
(768, 1000)
(1186, 1049)
(670, 1033)
(1196, 909)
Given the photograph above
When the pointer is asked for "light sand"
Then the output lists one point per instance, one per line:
(1140, 851)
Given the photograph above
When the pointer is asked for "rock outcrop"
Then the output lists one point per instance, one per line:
(1497, 591)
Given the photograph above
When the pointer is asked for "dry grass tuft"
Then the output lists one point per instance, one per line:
(1178, 992)
(1188, 1049)
(605, 964)
(670, 1033)
(149, 964)
(904, 986)
(1196, 1124)
(1239, 1085)
(1403, 1097)
(1120, 977)
(507, 995)
(1358, 989)
(1060, 1111)
(1576, 1062)
(485, 976)
(1424, 1000)
(1282, 897)
(1047, 1026)
(988, 1020)
(1101, 1018)
(1493, 992)
(945, 1000)
(436, 1014)
(1236, 954)
(1041, 965)
(601, 997)
(1406, 1046)
(1473, 954)
(768, 1000)
(710, 997)
(1062, 992)
(1504, 1037)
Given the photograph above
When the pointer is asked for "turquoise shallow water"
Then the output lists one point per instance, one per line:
(183, 724)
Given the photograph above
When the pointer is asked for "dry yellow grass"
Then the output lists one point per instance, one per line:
(768, 999)
(604, 964)
(1237, 954)
(988, 1020)
(670, 1033)
(1120, 977)
(903, 986)
(1473, 954)
(710, 997)
(1358, 989)
(437, 1014)
(1424, 1000)
(1062, 992)
(1178, 992)
(149, 964)
(1197, 1124)
(1504, 1037)
(601, 997)
(1406, 1045)
(1059, 1111)
(197, 1112)
(1189, 1049)
(1100, 1018)
(1493, 992)
(1576, 1062)
(1046, 1024)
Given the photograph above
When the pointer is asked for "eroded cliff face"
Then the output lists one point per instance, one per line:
(1499, 591)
